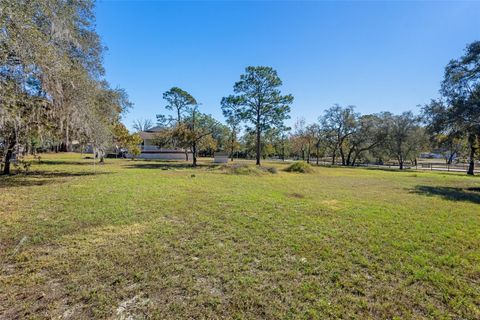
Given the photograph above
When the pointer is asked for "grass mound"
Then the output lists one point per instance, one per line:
(245, 169)
(301, 167)
(270, 169)
(242, 169)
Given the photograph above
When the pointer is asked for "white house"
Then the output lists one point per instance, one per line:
(150, 150)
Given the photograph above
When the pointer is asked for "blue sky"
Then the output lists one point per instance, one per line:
(379, 56)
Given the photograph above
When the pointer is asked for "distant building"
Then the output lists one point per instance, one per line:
(220, 157)
(150, 149)
(431, 155)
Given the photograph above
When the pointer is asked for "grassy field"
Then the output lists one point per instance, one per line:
(153, 239)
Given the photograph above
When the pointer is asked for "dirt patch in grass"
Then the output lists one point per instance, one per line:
(296, 195)
(132, 308)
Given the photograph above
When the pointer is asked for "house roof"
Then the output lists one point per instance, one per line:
(146, 135)
(155, 129)
(151, 133)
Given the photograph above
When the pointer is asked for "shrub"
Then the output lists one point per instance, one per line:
(242, 169)
(269, 169)
(245, 169)
(301, 167)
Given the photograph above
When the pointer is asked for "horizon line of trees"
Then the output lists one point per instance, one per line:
(449, 125)
(53, 92)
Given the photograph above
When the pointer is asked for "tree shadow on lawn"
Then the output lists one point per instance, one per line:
(66, 162)
(450, 193)
(371, 167)
(40, 178)
(163, 165)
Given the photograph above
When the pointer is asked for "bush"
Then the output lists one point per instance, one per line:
(242, 169)
(301, 167)
(269, 169)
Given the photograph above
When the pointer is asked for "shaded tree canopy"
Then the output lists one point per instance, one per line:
(51, 85)
(458, 113)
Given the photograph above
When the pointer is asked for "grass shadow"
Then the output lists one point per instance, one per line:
(372, 168)
(450, 193)
(389, 169)
(63, 162)
(39, 178)
(162, 166)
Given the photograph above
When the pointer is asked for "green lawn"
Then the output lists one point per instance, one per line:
(146, 239)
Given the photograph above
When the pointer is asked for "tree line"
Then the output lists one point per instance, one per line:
(52, 86)
(257, 102)
(53, 93)
(450, 125)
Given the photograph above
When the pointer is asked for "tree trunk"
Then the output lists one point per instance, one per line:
(9, 154)
(450, 158)
(67, 137)
(27, 148)
(471, 165)
(8, 157)
(232, 141)
(194, 153)
(354, 160)
(258, 147)
(317, 154)
(308, 153)
(342, 155)
(349, 156)
(101, 156)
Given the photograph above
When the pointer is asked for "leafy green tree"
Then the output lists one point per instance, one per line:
(298, 139)
(196, 130)
(450, 146)
(315, 140)
(405, 137)
(231, 109)
(123, 139)
(51, 86)
(282, 146)
(178, 101)
(339, 123)
(262, 104)
(459, 115)
(371, 131)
